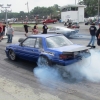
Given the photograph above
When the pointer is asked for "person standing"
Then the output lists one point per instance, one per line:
(45, 28)
(92, 30)
(26, 29)
(4, 26)
(10, 33)
(98, 36)
(1, 31)
(35, 29)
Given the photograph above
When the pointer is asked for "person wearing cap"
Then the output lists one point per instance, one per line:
(92, 30)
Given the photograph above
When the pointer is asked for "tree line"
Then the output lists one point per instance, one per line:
(37, 11)
(91, 7)
(53, 11)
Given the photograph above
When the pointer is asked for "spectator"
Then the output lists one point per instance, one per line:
(1, 31)
(92, 30)
(4, 25)
(26, 29)
(98, 35)
(45, 28)
(10, 33)
(35, 29)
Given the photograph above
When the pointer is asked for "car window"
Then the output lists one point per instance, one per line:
(30, 42)
(38, 43)
(57, 41)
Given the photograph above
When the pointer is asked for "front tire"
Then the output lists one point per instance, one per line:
(12, 55)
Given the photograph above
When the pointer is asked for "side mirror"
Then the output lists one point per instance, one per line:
(21, 40)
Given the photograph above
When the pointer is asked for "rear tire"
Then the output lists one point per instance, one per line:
(12, 55)
(43, 62)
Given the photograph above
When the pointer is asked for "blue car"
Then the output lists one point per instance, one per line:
(47, 49)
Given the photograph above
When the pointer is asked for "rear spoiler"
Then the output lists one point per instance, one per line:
(77, 49)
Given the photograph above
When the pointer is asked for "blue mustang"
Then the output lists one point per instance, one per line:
(47, 49)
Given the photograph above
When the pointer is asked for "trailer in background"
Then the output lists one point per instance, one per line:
(72, 12)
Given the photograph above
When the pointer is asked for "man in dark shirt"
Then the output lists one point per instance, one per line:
(98, 35)
(45, 28)
(92, 30)
(26, 29)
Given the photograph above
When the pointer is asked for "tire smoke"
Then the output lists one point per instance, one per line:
(86, 69)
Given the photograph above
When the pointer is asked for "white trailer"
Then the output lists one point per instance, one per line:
(72, 12)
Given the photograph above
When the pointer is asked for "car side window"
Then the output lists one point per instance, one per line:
(29, 42)
(38, 43)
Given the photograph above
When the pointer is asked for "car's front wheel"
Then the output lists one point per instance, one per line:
(12, 55)
(43, 62)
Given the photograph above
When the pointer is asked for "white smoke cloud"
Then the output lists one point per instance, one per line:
(92, 72)
(88, 69)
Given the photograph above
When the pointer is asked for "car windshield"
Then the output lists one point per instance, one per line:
(57, 41)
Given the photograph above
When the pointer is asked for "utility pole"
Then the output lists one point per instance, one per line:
(75, 2)
(98, 9)
(78, 12)
(28, 10)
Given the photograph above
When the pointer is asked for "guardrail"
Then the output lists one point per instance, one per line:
(29, 22)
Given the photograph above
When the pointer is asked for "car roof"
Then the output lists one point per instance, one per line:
(44, 35)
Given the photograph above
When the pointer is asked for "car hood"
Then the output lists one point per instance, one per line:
(71, 48)
(67, 29)
(62, 28)
(13, 45)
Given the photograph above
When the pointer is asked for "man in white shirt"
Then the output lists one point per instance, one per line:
(10, 33)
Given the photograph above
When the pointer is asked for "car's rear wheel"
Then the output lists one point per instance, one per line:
(12, 55)
(43, 62)
(64, 73)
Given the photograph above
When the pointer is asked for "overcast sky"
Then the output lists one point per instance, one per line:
(19, 5)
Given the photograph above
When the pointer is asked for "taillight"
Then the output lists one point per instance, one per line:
(66, 56)
(63, 56)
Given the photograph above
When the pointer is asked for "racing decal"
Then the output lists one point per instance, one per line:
(49, 53)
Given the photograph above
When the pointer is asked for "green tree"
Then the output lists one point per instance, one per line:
(91, 7)
(45, 11)
(41, 11)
